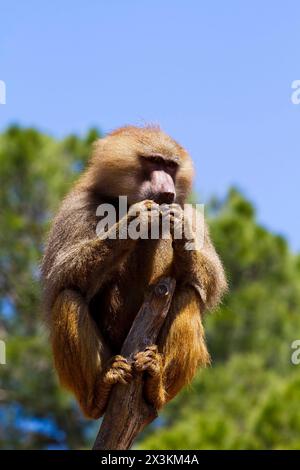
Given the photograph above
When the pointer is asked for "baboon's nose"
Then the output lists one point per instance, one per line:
(167, 197)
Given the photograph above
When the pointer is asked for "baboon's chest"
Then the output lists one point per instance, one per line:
(115, 307)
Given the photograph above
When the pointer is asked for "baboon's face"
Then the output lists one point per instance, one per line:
(143, 163)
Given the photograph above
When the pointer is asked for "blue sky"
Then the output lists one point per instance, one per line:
(216, 75)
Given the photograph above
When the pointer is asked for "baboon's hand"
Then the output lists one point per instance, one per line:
(180, 225)
(173, 214)
(147, 213)
(142, 207)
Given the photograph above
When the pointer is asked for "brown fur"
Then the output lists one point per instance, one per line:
(94, 287)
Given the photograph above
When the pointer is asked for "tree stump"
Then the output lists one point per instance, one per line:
(127, 412)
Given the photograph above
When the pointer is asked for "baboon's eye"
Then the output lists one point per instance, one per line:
(159, 162)
(171, 164)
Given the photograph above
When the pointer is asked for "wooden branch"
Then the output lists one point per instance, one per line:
(127, 412)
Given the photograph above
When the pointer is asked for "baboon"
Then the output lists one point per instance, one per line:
(95, 285)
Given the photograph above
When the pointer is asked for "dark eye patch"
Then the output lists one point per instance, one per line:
(156, 159)
(171, 164)
(162, 161)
